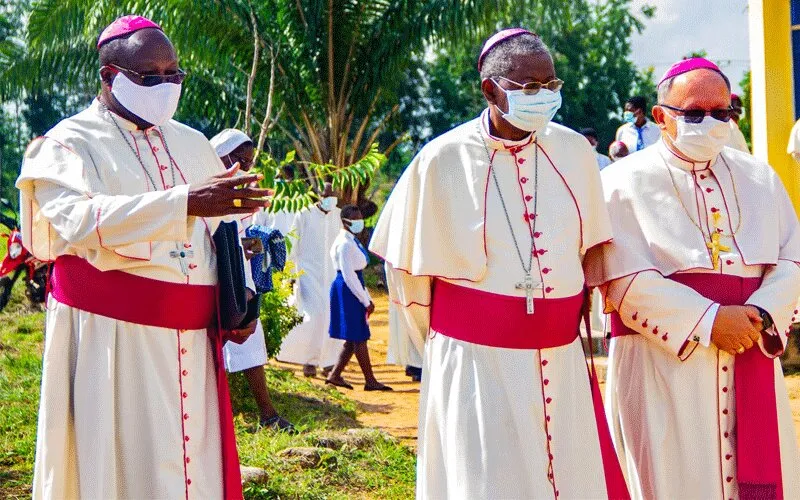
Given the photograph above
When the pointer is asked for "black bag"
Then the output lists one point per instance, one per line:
(234, 309)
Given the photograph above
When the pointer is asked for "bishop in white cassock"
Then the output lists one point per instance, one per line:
(134, 403)
(484, 236)
(701, 280)
(312, 233)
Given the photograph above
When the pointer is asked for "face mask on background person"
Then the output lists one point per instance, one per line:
(702, 141)
(356, 226)
(155, 105)
(629, 117)
(531, 112)
(328, 203)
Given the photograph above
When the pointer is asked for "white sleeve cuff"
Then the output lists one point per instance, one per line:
(702, 332)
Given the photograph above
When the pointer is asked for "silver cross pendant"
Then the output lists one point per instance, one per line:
(182, 255)
(529, 286)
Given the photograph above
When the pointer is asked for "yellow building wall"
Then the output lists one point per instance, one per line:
(773, 89)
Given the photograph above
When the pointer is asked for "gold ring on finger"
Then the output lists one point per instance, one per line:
(237, 202)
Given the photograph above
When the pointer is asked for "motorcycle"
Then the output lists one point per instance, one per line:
(19, 260)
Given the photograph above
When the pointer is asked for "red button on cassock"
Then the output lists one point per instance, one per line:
(185, 372)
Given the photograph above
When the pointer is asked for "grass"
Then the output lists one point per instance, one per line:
(372, 467)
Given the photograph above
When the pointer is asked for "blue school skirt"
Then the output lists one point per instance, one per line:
(348, 314)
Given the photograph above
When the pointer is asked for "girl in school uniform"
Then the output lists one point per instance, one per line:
(351, 304)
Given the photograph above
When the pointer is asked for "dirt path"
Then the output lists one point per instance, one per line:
(396, 412)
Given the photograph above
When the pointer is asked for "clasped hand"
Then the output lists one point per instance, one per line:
(736, 328)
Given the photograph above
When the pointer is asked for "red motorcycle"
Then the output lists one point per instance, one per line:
(18, 261)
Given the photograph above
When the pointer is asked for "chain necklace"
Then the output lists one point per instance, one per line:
(181, 254)
(136, 153)
(527, 284)
(714, 245)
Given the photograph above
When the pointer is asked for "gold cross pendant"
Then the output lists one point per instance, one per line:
(715, 246)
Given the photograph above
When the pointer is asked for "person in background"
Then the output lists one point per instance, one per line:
(404, 349)
(617, 150)
(283, 220)
(637, 132)
(234, 146)
(351, 304)
(737, 138)
(591, 135)
(312, 234)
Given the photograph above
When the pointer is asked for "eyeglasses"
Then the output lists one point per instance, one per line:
(532, 88)
(697, 115)
(151, 80)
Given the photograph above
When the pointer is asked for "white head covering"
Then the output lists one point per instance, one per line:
(228, 140)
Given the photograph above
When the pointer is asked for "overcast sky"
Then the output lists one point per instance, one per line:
(681, 26)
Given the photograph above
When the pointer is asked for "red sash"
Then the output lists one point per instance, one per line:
(758, 459)
(495, 320)
(133, 299)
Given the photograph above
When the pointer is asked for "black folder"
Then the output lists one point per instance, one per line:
(234, 309)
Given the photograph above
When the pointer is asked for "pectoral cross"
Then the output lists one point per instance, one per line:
(529, 286)
(182, 255)
(715, 246)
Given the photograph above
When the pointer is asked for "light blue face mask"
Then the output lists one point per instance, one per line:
(629, 117)
(328, 203)
(356, 226)
(531, 112)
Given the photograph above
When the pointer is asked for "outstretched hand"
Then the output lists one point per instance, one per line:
(219, 195)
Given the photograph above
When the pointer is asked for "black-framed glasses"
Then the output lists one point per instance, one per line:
(697, 115)
(533, 88)
(151, 80)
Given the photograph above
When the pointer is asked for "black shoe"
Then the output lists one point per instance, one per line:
(414, 372)
(278, 423)
(338, 384)
(309, 371)
(379, 387)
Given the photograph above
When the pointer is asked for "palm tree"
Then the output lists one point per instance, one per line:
(323, 72)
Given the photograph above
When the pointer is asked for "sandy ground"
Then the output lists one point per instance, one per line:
(396, 412)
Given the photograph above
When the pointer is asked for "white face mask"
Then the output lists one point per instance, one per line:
(356, 226)
(328, 203)
(702, 141)
(531, 112)
(155, 105)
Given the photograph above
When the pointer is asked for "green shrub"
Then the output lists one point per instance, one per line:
(278, 316)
